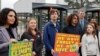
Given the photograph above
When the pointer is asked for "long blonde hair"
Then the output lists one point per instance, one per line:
(27, 27)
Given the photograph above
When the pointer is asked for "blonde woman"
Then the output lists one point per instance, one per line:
(32, 33)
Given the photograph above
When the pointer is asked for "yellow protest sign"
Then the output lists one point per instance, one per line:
(20, 49)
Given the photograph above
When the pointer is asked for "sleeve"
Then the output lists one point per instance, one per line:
(38, 44)
(83, 48)
(3, 45)
(99, 38)
(46, 38)
(98, 53)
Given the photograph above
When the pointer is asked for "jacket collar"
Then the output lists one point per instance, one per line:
(53, 24)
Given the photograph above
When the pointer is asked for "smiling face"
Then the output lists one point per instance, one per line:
(10, 18)
(32, 24)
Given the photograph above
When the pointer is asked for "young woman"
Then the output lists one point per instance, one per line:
(72, 26)
(90, 42)
(32, 33)
(96, 27)
(8, 33)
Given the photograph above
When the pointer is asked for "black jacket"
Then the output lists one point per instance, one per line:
(37, 43)
(72, 29)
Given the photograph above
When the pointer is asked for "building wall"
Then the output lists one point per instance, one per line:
(51, 1)
(25, 6)
(61, 2)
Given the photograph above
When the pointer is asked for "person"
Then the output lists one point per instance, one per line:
(34, 35)
(93, 20)
(82, 20)
(72, 26)
(94, 23)
(50, 30)
(8, 31)
(90, 42)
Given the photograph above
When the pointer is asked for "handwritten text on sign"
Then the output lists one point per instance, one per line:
(20, 49)
(66, 42)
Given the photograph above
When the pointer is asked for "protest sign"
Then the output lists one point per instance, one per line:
(67, 44)
(20, 49)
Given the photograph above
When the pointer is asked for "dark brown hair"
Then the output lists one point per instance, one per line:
(70, 18)
(95, 24)
(52, 11)
(3, 17)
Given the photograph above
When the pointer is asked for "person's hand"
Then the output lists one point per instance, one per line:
(26, 40)
(31, 40)
(34, 53)
(52, 51)
(13, 40)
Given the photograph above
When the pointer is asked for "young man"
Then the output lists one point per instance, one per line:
(50, 30)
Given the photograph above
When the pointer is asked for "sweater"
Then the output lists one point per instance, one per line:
(89, 45)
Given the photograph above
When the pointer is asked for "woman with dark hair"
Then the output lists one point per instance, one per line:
(8, 32)
(73, 26)
(32, 34)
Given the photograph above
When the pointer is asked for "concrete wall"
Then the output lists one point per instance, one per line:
(61, 2)
(25, 6)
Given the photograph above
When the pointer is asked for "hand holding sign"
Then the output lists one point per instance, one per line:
(34, 53)
(52, 51)
(13, 40)
(25, 40)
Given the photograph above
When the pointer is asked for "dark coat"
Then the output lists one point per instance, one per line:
(5, 39)
(49, 35)
(37, 43)
(72, 29)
